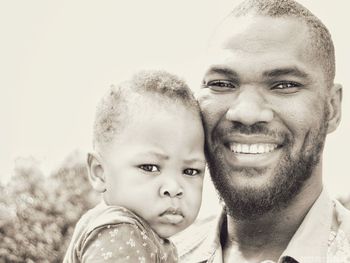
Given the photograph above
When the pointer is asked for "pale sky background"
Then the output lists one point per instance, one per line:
(58, 57)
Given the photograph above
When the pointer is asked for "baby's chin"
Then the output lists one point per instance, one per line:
(168, 230)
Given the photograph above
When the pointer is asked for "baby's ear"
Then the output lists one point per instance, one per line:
(96, 173)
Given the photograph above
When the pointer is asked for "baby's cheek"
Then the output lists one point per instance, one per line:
(194, 202)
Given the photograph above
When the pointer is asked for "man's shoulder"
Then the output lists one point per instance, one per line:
(339, 242)
(342, 216)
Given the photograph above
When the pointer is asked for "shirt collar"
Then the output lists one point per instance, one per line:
(309, 243)
(201, 241)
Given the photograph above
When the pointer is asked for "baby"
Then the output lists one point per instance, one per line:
(148, 163)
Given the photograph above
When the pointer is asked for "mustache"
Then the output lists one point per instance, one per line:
(254, 129)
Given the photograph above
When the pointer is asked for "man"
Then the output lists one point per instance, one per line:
(268, 101)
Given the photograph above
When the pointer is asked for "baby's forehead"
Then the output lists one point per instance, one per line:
(135, 103)
(150, 110)
(147, 93)
(154, 100)
(132, 106)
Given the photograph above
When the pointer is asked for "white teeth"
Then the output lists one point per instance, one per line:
(271, 147)
(261, 148)
(252, 148)
(245, 148)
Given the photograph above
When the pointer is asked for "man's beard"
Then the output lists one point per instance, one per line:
(290, 174)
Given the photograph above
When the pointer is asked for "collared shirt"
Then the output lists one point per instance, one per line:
(323, 237)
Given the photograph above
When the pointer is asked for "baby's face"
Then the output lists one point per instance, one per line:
(156, 165)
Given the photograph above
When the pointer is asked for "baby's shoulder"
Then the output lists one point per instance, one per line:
(116, 220)
(109, 232)
(107, 215)
(119, 241)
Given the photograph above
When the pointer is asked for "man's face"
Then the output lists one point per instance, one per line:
(155, 166)
(264, 104)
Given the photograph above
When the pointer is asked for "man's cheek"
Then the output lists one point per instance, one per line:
(212, 114)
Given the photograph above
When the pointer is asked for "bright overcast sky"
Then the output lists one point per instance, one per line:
(58, 57)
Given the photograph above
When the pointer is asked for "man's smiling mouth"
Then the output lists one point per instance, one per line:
(255, 148)
(252, 150)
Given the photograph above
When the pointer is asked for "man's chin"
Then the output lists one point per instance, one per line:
(246, 202)
(251, 178)
(250, 193)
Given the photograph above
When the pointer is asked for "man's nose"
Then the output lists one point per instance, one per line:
(249, 107)
(171, 188)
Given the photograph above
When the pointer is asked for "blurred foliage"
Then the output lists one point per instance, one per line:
(38, 213)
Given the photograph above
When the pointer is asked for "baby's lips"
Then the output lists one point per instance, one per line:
(172, 211)
(172, 218)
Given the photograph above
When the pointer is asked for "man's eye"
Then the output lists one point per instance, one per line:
(149, 167)
(191, 172)
(221, 85)
(286, 87)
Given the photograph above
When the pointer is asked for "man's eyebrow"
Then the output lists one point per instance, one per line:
(222, 71)
(293, 71)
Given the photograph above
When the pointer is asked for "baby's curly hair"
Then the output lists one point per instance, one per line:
(113, 110)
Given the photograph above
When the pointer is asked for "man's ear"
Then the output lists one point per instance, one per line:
(334, 106)
(96, 173)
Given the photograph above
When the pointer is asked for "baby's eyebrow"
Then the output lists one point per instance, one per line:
(160, 155)
(194, 160)
(154, 154)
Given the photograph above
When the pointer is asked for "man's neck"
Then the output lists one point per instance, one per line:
(268, 236)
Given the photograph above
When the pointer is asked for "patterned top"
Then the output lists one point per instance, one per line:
(323, 237)
(115, 234)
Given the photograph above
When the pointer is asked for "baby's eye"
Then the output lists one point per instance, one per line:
(149, 167)
(191, 172)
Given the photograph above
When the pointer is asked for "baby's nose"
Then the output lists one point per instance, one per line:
(171, 188)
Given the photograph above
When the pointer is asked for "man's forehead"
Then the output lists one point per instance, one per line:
(257, 31)
(259, 39)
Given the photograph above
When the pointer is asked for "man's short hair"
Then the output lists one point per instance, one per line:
(320, 37)
(112, 113)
